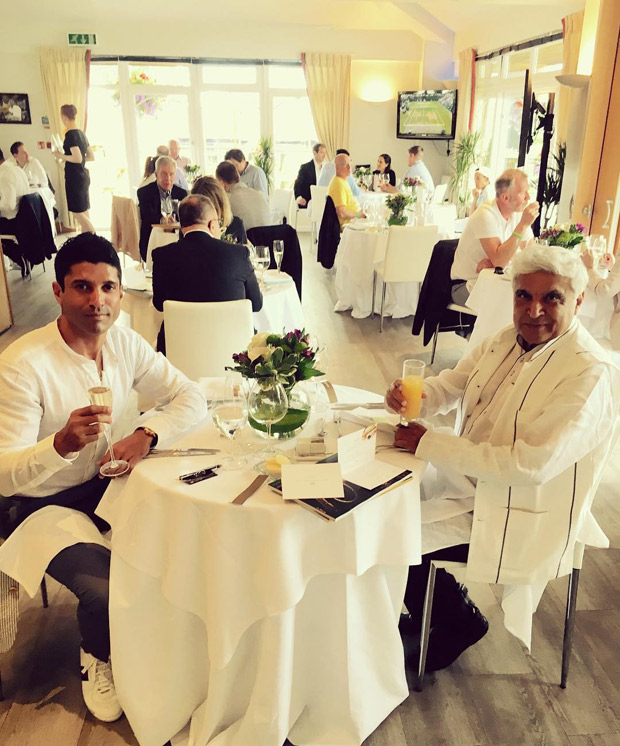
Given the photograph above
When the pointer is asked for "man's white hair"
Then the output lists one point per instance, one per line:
(553, 259)
(164, 160)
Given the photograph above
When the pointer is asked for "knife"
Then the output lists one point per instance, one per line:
(249, 491)
(165, 452)
(367, 405)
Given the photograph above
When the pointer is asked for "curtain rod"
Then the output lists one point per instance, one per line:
(555, 36)
(191, 60)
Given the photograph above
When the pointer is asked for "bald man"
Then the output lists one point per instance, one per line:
(340, 191)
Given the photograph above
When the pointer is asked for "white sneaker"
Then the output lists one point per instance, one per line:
(98, 688)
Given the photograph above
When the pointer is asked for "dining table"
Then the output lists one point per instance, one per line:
(161, 235)
(492, 300)
(281, 304)
(238, 624)
(362, 247)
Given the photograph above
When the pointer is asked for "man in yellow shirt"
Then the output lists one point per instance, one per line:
(340, 192)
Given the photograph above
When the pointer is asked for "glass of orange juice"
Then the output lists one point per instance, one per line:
(412, 383)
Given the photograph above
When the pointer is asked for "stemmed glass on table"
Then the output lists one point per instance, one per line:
(101, 396)
(267, 405)
(166, 210)
(278, 253)
(230, 415)
(262, 261)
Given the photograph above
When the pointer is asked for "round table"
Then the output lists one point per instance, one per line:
(256, 622)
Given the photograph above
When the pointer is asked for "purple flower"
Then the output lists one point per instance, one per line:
(307, 353)
(580, 227)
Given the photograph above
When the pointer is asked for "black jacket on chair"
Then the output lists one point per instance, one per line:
(329, 235)
(199, 269)
(265, 235)
(305, 179)
(436, 293)
(33, 232)
(149, 203)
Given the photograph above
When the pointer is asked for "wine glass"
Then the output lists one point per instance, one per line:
(174, 203)
(278, 253)
(166, 209)
(101, 396)
(598, 246)
(230, 415)
(268, 404)
(263, 260)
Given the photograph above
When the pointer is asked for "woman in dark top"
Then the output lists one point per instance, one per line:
(383, 167)
(77, 152)
(232, 226)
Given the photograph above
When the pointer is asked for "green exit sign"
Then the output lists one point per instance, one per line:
(82, 40)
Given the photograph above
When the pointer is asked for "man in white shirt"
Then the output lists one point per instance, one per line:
(494, 233)
(416, 168)
(175, 153)
(252, 176)
(537, 418)
(52, 444)
(13, 186)
(36, 175)
(248, 204)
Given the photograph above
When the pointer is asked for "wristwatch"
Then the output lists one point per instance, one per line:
(151, 433)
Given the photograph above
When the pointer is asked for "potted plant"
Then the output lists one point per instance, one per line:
(263, 158)
(553, 184)
(397, 204)
(466, 155)
(192, 172)
(567, 235)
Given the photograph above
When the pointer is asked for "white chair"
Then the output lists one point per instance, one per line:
(439, 193)
(317, 207)
(407, 256)
(202, 337)
(458, 570)
(281, 200)
(444, 217)
(464, 320)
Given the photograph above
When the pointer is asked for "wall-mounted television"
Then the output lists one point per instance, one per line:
(426, 115)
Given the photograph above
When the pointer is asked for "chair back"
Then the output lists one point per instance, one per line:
(408, 252)
(444, 217)
(125, 227)
(202, 337)
(280, 204)
(318, 195)
(439, 193)
(292, 264)
(329, 235)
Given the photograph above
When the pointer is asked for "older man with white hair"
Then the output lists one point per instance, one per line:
(155, 199)
(536, 421)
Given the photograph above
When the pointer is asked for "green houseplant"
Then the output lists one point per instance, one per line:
(465, 156)
(263, 158)
(397, 204)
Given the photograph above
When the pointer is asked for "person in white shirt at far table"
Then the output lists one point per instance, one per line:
(417, 169)
(52, 444)
(37, 177)
(606, 287)
(248, 204)
(537, 418)
(252, 176)
(482, 191)
(13, 186)
(494, 233)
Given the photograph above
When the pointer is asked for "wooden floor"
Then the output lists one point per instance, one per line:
(494, 695)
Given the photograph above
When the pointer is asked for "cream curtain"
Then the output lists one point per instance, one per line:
(64, 73)
(571, 26)
(466, 91)
(328, 81)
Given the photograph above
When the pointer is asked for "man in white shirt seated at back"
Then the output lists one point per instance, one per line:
(13, 186)
(37, 177)
(52, 444)
(416, 169)
(252, 176)
(537, 415)
(494, 233)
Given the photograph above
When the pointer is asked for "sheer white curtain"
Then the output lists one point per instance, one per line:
(328, 82)
(64, 73)
(466, 91)
(571, 26)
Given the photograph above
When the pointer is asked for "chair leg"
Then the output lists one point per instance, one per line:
(434, 345)
(569, 624)
(383, 289)
(44, 593)
(374, 292)
(426, 625)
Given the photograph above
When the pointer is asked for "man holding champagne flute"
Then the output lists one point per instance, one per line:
(536, 423)
(51, 444)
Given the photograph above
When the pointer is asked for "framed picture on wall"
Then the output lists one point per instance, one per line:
(14, 108)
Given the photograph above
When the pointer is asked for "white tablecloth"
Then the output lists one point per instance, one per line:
(257, 622)
(281, 310)
(492, 299)
(358, 253)
(159, 237)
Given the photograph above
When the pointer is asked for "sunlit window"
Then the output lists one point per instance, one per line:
(168, 75)
(279, 76)
(229, 74)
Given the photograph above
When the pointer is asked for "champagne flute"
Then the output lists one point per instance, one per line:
(268, 404)
(230, 415)
(263, 260)
(278, 253)
(101, 396)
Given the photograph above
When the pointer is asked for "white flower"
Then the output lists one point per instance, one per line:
(259, 340)
(564, 227)
(255, 352)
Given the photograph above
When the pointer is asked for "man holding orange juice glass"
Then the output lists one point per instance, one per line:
(536, 423)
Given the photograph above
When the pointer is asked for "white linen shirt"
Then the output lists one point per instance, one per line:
(486, 222)
(420, 170)
(13, 186)
(35, 173)
(42, 380)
